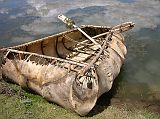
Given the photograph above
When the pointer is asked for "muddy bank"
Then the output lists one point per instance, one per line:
(8, 89)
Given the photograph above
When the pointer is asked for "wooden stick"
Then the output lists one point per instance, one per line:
(49, 57)
(117, 29)
(82, 72)
(70, 23)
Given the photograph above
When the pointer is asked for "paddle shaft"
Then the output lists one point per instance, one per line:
(70, 23)
(90, 38)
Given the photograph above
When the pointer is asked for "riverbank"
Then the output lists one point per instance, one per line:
(17, 103)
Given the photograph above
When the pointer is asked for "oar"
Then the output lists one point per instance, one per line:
(70, 23)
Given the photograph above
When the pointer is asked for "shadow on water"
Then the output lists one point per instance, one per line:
(105, 100)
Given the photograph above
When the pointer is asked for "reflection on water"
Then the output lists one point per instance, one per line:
(25, 20)
(140, 76)
(143, 51)
(127, 1)
(12, 16)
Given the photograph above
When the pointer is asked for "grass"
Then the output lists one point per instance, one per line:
(15, 103)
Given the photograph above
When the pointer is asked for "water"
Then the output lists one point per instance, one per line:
(25, 20)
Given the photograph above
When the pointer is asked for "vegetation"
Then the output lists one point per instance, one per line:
(15, 103)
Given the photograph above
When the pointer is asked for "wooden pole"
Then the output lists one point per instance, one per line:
(71, 23)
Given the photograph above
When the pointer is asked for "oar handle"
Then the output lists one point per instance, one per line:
(70, 23)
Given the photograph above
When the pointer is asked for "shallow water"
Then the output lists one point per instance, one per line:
(26, 20)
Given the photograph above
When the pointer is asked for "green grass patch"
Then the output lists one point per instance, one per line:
(15, 103)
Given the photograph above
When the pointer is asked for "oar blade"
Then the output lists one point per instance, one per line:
(69, 22)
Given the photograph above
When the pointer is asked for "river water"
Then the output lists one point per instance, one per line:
(26, 20)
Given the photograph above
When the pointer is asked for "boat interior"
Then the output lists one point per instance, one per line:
(70, 45)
